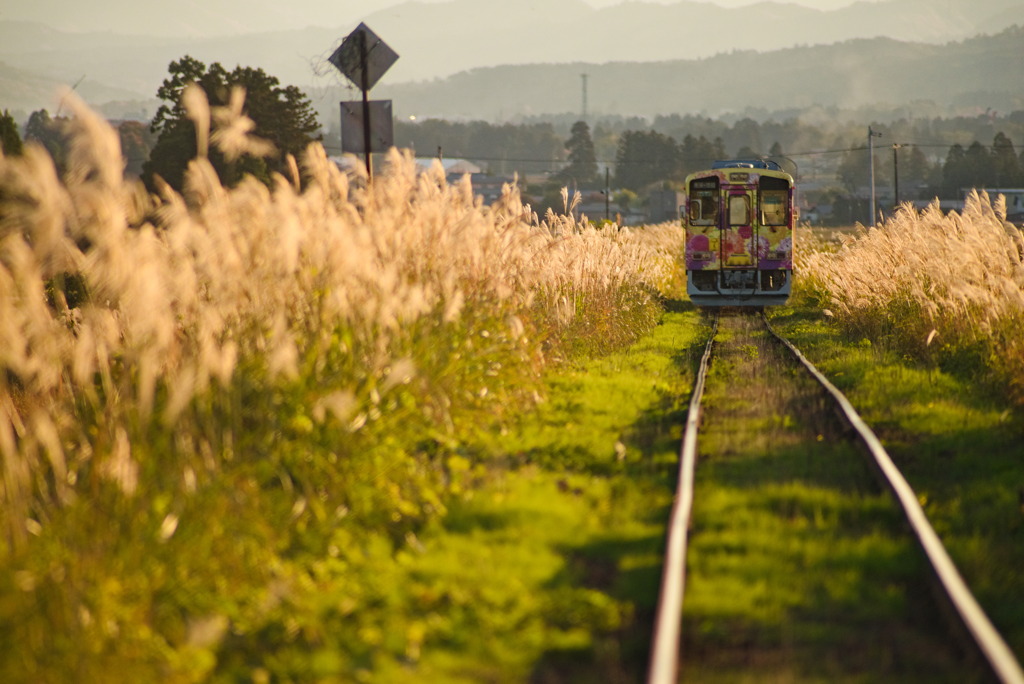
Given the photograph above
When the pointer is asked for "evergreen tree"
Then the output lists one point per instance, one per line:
(49, 132)
(136, 142)
(646, 157)
(746, 152)
(747, 132)
(954, 176)
(582, 158)
(10, 140)
(700, 153)
(284, 116)
(915, 170)
(854, 171)
(1006, 168)
(505, 146)
(978, 166)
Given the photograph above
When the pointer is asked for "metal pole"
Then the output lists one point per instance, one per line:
(607, 194)
(871, 160)
(584, 77)
(364, 53)
(895, 177)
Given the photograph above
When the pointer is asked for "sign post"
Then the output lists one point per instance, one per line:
(363, 58)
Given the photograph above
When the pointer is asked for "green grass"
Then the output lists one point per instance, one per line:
(958, 443)
(548, 568)
(799, 566)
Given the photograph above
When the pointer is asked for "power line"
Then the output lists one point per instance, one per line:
(553, 160)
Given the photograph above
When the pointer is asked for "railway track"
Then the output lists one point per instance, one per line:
(988, 654)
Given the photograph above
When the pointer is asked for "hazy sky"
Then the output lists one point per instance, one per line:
(219, 17)
(817, 4)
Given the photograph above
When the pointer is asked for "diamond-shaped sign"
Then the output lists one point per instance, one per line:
(359, 46)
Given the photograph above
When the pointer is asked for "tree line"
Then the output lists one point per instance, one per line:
(932, 156)
(282, 116)
(929, 160)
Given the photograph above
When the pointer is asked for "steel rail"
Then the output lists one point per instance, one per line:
(664, 661)
(987, 639)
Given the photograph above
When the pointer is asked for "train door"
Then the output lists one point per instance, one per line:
(738, 238)
(776, 221)
(703, 234)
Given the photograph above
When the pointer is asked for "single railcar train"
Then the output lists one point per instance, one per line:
(739, 219)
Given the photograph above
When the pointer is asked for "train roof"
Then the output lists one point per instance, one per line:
(757, 167)
(746, 164)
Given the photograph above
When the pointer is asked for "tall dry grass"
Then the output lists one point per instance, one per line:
(200, 384)
(946, 287)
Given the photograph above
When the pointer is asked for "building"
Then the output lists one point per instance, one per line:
(663, 205)
(451, 167)
(1014, 202)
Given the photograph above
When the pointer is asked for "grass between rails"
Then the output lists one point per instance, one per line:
(799, 567)
(958, 443)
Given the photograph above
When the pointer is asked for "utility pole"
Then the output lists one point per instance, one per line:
(895, 177)
(871, 161)
(364, 85)
(584, 77)
(607, 194)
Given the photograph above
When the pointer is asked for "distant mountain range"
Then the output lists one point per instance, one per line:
(982, 72)
(458, 38)
(445, 38)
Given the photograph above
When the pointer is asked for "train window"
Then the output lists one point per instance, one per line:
(704, 209)
(703, 201)
(773, 207)
(739, 210)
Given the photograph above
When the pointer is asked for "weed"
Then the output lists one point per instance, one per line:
(947, 290)
(225, 414)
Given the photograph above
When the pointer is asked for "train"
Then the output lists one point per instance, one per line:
(740, 219)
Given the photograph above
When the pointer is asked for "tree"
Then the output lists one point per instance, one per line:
(747, 133)
(582, 158)
(1006, 168)
(916, 171)
(954, 174)
(700, 153)
(136, 142)
(646, 157)
(49, 132)
(854, 170)
(10, 140)
(283, 116)
(524, 148)
(978, 166)
(625, 199)
(746, 152)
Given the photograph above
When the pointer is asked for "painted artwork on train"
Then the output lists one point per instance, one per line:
(739, 222)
